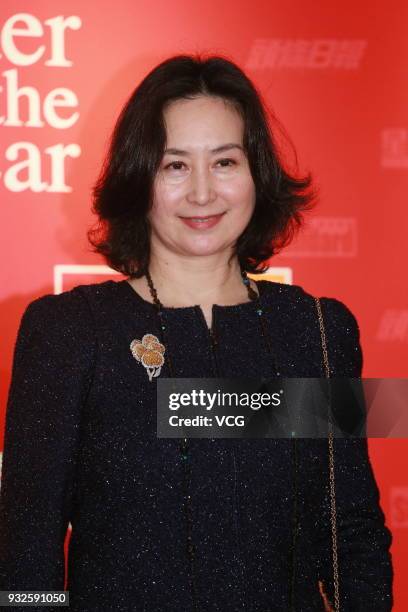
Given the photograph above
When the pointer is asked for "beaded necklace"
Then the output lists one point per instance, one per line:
(184, 447)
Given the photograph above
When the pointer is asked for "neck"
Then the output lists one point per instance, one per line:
(200, 280)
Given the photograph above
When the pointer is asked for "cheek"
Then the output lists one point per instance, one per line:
(241, 192)
(164, 202)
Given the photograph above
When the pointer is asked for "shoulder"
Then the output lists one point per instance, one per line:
(343, 337)
(63, 320)
(78, 314)
(85, 310)
(66, 308)
(341, 327)
(56, 334)
(296, 296)
(76, 304)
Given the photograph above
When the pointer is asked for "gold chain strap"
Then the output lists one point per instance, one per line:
(333, 515)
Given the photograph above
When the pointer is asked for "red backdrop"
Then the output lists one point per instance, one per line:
(336, 78)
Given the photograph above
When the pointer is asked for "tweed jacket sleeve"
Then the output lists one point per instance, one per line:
(51, 375)
(363, 539)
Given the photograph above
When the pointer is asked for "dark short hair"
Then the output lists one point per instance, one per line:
(122, 194)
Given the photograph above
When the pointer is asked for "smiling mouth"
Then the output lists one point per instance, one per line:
(203, 223)
(203, 218)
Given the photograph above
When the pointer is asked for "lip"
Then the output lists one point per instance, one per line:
(208, 221)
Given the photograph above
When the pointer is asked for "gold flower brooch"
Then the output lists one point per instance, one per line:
(149, 352)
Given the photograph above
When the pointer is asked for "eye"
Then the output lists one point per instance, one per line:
(177, 165)
(173, 164)
(226, 162)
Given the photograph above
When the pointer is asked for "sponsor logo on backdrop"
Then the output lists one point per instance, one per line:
(399, 507)
(393, 325)
(314, 54)
(326, 237)
(27, 41)
(394, 148)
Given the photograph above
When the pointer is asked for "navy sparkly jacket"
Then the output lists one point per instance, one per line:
(81, 447)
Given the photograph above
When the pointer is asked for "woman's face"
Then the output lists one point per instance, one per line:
(204, 172)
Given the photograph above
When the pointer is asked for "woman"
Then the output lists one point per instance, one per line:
(192, 195)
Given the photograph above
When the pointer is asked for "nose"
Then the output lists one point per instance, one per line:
(201, 190)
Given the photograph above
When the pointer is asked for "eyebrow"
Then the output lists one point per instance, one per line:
(225, 147)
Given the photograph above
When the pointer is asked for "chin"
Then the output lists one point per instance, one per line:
(203, 250)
